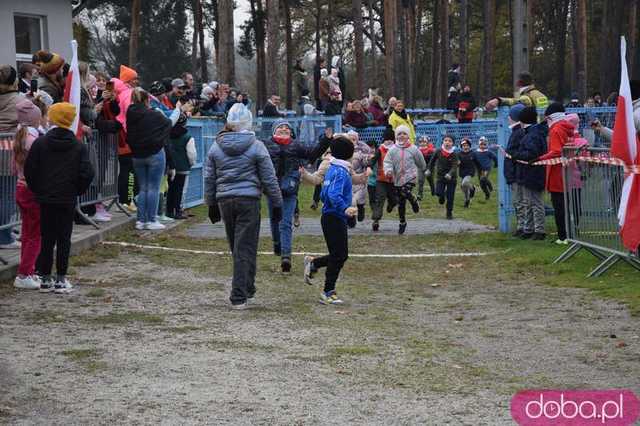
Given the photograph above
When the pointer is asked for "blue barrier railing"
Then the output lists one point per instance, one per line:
(506, 213)
(204, 130)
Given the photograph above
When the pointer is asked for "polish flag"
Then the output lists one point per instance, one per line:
(72, 89)
(626, 147)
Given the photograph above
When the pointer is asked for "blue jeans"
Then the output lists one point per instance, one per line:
(282, 232)
(7, 206)
(149, 172)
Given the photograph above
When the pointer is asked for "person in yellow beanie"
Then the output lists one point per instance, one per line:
(57, 171)
(50, 78)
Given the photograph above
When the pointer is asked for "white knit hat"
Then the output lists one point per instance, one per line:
(402, 129)
(240, 117)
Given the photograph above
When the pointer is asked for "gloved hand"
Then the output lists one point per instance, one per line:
(276, 214)
(427, 173)
(447, 176)
(214, 213)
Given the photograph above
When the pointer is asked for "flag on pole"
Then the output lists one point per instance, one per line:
(625, 146)
(72, 89)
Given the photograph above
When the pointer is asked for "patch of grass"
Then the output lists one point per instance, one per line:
(96, 254)
(353, 350)
(87, 358)
(185, 329)
(44, 317)
(79, 354)
(96, 292)
(239, 345)
(124, 318)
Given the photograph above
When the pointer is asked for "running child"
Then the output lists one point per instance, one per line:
(485, 159)
(447, 162)
(467, 170)
(427, 149)
(336, 198)
(404, 163)
(384, 185)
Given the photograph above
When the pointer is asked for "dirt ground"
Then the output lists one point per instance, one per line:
(148, 338)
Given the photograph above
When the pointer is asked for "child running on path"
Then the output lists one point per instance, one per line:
(57, 170)
(29, 118)
(403, 163)
(427, 150)
(467, 171)
(384, 184)
(336, 199)
(485, 159)
(447, 162)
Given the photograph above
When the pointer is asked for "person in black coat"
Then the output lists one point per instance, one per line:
(271, 107)
(148, 133)
(531, 178)
(510, 167)
(57, 171)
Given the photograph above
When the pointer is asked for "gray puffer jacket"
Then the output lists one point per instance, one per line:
(239, 165)
(405, 163)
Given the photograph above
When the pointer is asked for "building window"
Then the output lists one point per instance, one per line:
(29, 32)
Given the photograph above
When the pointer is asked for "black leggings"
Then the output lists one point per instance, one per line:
(125, 163)
(337, 239)
(557, 199)
(56, 225)
(174, 195)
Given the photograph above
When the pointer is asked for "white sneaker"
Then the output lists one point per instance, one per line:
(240, 307)
(154, 226)
(165, 218)
(140, 225)
(11, 246)
(562, 242)
(330, 299)
(101, 217)
(308, 273)
(26, 283)
(62, 287)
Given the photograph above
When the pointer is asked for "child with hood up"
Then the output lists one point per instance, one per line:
(403, 163)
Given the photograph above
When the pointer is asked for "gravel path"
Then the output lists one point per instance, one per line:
(311, 226)
(148, 338)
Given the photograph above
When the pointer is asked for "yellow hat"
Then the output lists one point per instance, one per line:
(62, 114)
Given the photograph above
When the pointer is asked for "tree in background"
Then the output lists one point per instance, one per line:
(273, 46)
(226, 55)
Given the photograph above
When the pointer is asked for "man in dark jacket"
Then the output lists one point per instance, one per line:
(237, 171)
(57, 170)
(271, 107)
(531, 178)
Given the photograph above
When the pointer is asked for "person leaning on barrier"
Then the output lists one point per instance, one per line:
(606, 132)
(527, 95)
(237, 170)
(510, 168)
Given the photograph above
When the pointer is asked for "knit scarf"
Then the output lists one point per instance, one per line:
(282, 140)
(446, 152)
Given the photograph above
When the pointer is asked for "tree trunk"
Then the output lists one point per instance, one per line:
(410, 15)
(358, 46)
(226, 66)
(581, 48)
(331, 5)
(316, 88)
(464, 39)
(390, 24)
(372, 31)
(288, 43)
(488, 47)
(401, 57)
(194, 38)
(561, 49)
(435, 54)
(632, 35)
(258, 12)
(273, 46)
(444, 52)
(134, 36)
(204, 73)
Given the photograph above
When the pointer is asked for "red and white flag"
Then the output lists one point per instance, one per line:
(626, 147)
(72, 89)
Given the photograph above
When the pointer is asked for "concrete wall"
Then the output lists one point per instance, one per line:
(58, 30)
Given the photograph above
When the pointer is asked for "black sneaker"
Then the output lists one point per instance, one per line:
(276, 249)
(402, 228)
(390, 206)
(449, 215)
(414, 205)
(466, 204)
(360, 212)
(538, 236)
(314, 206)
(351, 222)
(419, 197)
(518, 233)
(526, 235)
(487, 195)
(375, 226)
(441, 200)
(46, 285)
(472, 193)
(285, 265)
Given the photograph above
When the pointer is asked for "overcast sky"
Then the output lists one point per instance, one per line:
(240, 15)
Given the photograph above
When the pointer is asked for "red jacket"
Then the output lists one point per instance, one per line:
(560, 133)
(381, 177)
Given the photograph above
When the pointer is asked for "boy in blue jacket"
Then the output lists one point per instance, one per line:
(485, 159)
(336, 199)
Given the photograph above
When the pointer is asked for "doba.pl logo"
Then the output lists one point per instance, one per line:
(575, 408)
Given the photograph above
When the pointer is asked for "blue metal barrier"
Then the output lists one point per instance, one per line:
(606, 115)
(204, 130)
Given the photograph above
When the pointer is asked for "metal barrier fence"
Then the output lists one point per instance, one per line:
(506, 213)
(436, 132)
(9, 215)
(307, 129)
(103, 153)
(592, 199)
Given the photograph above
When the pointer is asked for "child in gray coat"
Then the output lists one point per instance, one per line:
(403, 163)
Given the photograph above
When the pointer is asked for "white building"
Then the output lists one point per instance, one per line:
(27, 26)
